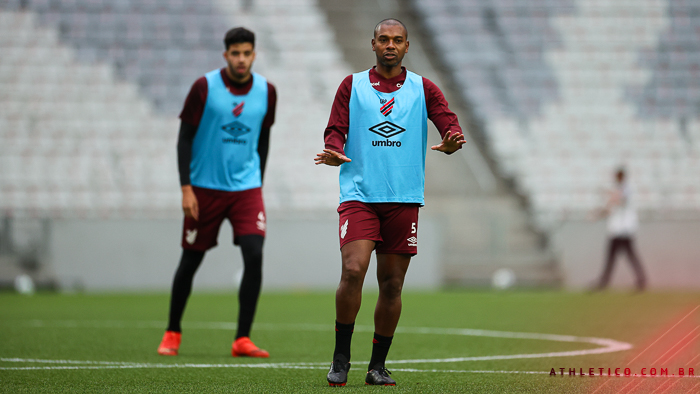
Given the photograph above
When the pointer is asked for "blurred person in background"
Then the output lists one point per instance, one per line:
(622, 224)
(222, 150)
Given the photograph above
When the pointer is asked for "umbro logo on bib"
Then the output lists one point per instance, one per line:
(236, 128)
(387, 129)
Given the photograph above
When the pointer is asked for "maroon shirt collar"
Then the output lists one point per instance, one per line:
(389, 81)
(238, 89)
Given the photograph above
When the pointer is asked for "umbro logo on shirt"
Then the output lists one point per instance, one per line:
(387, 130)
(235, 129)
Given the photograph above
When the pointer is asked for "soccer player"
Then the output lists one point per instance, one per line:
(222, 150)
(377, 134)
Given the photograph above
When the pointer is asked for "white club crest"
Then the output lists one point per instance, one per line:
(190, 236)
(344, 229)
(261, 221)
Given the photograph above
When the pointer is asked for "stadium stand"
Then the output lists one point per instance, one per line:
(71, 130)
(569, 90)
(90, 90)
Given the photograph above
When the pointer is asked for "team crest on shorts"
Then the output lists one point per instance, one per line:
(413, 241)
(190, 236)
(261, 221)
(344, 229)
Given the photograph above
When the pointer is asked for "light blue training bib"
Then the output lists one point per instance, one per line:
(225, 148)
(387, 142)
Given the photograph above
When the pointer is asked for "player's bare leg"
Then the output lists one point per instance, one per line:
(348, 296)
(391, 271)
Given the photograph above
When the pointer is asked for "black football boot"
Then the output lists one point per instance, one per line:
(379, 376)
(338, 374)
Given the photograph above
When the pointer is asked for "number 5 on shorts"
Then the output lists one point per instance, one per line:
(413, 228)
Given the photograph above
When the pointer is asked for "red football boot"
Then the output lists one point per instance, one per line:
(170, 343)
(244, 347)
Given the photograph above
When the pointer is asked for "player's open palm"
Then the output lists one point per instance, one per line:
(331, 158)
(450, 143)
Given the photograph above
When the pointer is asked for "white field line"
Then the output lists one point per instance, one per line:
(78, 364)
(92, 365)
(604, 345)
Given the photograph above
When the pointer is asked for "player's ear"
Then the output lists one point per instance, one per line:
(406, 46)
(373, 44)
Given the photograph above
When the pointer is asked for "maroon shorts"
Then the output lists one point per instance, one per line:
(244, 209)
(393, 226)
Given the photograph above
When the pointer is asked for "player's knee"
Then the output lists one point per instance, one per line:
(353, 274)
(253, 254)
(251, 246)
(391, 288)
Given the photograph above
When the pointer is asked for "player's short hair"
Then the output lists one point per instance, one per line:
(390, 21)
(238, 35)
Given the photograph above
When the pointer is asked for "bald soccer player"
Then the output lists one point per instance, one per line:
(377, 134)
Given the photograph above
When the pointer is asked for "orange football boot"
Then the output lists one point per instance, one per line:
(170, 343)
(244, 347)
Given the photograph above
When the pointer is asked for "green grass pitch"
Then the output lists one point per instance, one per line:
(107, 343)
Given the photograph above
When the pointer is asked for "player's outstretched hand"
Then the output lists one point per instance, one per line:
(450, 143)
(331, 158)
(189, 203)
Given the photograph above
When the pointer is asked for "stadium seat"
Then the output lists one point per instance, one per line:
(612, 82)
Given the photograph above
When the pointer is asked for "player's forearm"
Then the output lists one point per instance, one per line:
(184, 151)
(439, 112)
(263, 148)
(334, 140)
(445, 120)
(445, 123)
